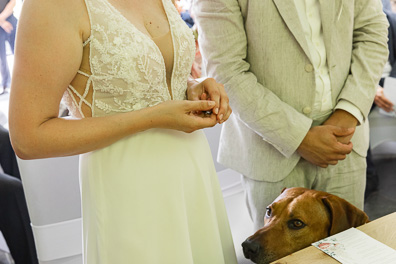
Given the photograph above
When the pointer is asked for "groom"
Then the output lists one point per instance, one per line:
(301, 76)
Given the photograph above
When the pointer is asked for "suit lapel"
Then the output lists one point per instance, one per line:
(288, 12)
(330, 12)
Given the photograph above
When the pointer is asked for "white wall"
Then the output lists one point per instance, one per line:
(234, 197)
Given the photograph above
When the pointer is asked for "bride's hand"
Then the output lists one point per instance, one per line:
(209, 89)
(183, 115)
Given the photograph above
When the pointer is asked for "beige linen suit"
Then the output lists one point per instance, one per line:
(258, 50)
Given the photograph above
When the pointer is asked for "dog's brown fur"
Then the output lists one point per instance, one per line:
(297, 218)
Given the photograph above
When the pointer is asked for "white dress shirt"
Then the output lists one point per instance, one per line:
(309, 15)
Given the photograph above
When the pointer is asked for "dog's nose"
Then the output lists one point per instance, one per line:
(250, 248)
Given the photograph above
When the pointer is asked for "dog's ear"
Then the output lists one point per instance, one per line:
(343, 215)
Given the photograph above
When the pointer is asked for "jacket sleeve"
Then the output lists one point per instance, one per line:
(369, 54)
(223, 44)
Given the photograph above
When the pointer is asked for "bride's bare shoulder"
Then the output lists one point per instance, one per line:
(56, 14)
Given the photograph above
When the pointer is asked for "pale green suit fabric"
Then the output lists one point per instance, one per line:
(257, 49)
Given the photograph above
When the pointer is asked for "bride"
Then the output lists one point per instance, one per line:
(150, 193)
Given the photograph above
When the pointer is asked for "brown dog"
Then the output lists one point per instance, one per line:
(297, 218)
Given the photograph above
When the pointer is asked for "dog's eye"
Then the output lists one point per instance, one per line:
(296, 224)
(268, 212)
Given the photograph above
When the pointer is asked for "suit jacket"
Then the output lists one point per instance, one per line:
(258, 50)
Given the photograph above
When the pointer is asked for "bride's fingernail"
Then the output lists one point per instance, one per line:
(221, 117)
(216, 111)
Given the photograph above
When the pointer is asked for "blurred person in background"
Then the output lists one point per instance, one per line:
(8, 23)
(380, 100)
(184, 9)
(393, 5)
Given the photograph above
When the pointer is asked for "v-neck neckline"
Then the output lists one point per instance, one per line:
(132, 24)
(150, 39)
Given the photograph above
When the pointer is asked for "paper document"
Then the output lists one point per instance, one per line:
(390, 94)
(355, 247)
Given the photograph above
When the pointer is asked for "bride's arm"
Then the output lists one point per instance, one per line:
(47, 57)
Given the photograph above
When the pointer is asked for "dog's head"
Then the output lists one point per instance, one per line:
(297, 218)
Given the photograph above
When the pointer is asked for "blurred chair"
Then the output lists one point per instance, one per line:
(53, 197)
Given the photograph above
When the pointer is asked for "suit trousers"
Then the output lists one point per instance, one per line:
(347, 180)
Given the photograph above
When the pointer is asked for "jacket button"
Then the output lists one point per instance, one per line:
(308, 68)
(307, 110)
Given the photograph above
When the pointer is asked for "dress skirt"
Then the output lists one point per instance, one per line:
(154, 198)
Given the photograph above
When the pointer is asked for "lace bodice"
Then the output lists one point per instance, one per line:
(127, 69)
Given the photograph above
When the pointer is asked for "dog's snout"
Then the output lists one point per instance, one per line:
(250, 249)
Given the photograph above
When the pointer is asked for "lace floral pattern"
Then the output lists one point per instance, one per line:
(128, 70)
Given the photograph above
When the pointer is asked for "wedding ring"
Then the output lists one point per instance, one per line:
(208, 113)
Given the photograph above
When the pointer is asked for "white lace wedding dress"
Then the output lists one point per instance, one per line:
(153, 197)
